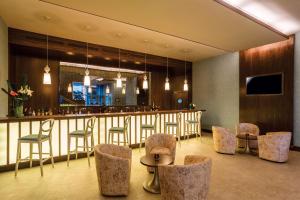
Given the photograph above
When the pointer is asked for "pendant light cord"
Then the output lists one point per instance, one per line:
(119, 60)
(87, 55)
(145, 63)
(185, 67)
(167, 67)
(47, 48)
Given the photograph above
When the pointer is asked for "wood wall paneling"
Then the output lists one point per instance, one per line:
(269, 112)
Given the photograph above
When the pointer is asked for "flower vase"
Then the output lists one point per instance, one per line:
(18, 111)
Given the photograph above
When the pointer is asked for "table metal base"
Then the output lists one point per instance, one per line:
(153, 185)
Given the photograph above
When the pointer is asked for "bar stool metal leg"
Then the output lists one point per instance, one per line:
(87, 149)
(76, 147)
(40, 157)
(51, 152)
(18, 158)
(30, 154)
(69, 144)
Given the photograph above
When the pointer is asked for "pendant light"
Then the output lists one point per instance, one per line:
(90, 89)
(107, 90)
(69, 88)
(167, 84)
(145, 82)
(119, 80)
(137, 91)
(87, 80)
(47, 76)
(123, 90)
(185, 85)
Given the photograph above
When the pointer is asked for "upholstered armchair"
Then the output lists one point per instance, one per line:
(113, 165)
(274, 146)
(224, 140)
(247, 128)
(161, 144)
(186, 182)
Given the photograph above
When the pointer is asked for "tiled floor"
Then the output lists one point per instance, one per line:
(242, 177)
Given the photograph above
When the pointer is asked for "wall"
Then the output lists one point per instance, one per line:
(269, 112)
(3, 67)
(297, 91)
(216, 89)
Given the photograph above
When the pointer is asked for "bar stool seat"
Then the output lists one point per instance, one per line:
(147, 126)
(33, 137)
(171, 123)
(116, 129)
(80, 133)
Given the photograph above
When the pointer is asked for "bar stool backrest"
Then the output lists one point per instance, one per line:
(126, 122)
(198, 116)
(90, 124)
(155, 120)
(46, 128)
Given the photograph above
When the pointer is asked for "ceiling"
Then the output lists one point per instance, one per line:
(195, 29)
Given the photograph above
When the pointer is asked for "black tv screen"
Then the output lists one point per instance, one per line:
(264, 84)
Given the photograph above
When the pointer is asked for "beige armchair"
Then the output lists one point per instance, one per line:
(187, 182)
(161, 144)
(274, 146)
(113, 165)
(224, 140)
(247, 128)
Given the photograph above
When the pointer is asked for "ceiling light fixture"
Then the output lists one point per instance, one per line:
(167, 84)
(87, 79)
(137, 91)
(90, 89)
(119, 80)
(145, 81)
(124, 89)
(47, 76)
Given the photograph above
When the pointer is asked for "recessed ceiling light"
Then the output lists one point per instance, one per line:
(70, 53)
(137, 62)
(107, 58)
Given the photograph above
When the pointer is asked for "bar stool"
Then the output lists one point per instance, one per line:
(193, 126)
(45, 134)
(85, 134)
(119, 130)
(176, 125)
(147, 127)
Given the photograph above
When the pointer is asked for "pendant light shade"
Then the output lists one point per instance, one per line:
(145, 81)
(69, 88)
(137, 91)
(119, 80)
(107, 90)
(185, 86)
(167, 84)
(87, 80)
(123, 90)
(47, 76)
(90, 89)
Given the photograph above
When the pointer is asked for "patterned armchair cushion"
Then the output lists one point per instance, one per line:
(274, 146)
(224, 140)
(186, 182)
(113, 165)
(247, 128)
(160, 140)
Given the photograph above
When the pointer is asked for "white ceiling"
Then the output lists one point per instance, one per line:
(204, 28)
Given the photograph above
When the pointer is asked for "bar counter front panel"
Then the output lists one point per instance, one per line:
(13, 128)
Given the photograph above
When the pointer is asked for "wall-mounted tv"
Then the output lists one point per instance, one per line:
(270, 84)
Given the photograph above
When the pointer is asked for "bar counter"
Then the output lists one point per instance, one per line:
(12, 128)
